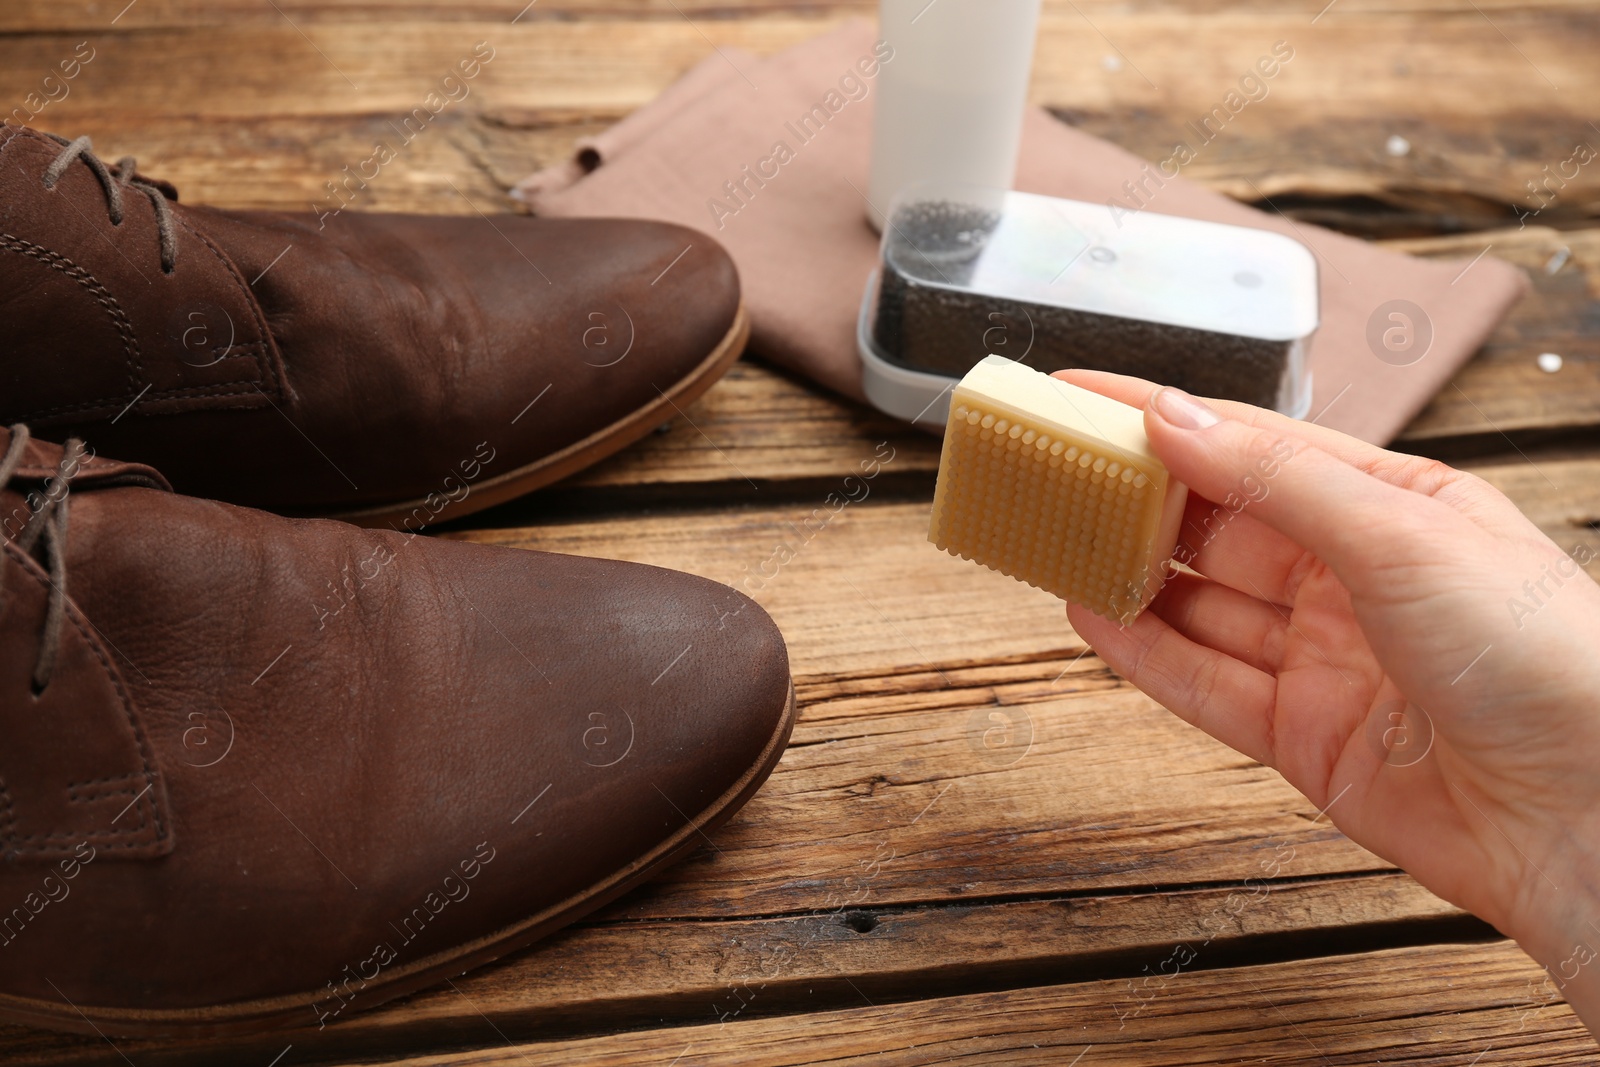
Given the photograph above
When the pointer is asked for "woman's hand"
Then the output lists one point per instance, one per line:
(1400, 643)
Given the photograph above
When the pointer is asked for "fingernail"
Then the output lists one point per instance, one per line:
(1183, 410)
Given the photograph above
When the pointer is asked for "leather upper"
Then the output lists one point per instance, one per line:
(318, 363)
(274, 750)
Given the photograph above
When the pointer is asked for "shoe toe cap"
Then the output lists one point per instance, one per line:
(659, 704)
(678, 288)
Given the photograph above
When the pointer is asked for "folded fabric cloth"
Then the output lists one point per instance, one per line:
(771, 157)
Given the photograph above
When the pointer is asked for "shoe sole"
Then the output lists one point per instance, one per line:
(244, 1017)
(580, 454)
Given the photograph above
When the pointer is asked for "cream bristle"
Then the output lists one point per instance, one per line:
(1089, 519)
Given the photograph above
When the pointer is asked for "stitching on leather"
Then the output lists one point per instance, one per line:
(268, 372)
(94, 798)
(110, 835)
(90, 782)
(134, 837)
(8, 810)
(101, 788)
(257, 350)
(102, 296)
(100, 794)
(125, 703)
(165, 394)
(220, 389)
(264, 373)
(226, 353)
(118, 795)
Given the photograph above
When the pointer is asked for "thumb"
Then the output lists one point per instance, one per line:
(1343, 515)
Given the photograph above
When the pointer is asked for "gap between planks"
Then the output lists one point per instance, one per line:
(1433, 1006)
(723, 971)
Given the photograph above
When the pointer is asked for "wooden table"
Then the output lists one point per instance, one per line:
(982, 847)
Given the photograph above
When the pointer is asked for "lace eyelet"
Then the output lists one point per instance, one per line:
(49, 523)
(114, 182)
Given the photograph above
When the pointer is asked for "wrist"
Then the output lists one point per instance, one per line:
(1557, 923)
(1570, 973)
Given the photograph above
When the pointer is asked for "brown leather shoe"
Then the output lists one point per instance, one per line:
(273, 771)
(352, 364)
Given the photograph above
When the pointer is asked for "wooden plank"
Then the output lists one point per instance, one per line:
(726, 970)
(34, 15)
(1562, 496)
(1463, 173)
(1353, 62)
(899, 852)
(1503, 391)
(894, 806)
(890, 813)
(1319, 135)
(865, 591)
(277, 68)
(1454, 173)
(463, 162)
(772, 427)
(775, 428)
(862, 590)
(895, 803)
(284, 164)
(985, 790)
(903, 654)
(891, 804)
(1435, 1006)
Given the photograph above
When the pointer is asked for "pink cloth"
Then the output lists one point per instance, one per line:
(804, 249)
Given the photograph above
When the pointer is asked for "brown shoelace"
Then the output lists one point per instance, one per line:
(48, 523)
(114, 182)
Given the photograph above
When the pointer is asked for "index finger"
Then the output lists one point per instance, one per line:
(1408, 472)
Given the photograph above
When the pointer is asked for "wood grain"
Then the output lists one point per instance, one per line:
(1503, 393)
(1425, 63)
(983, 845)
(1317, 141)
(775, 428)
(904, 657)
(1466, 171)
(1461, 173)
(600, 977)
(864, 591)
(1435, 1006)
(1561, 496)
(893, 807)
(770, 426)
(1453, 172)
(91, 14)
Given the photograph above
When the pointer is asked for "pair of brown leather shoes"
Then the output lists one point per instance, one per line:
(260, 770)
